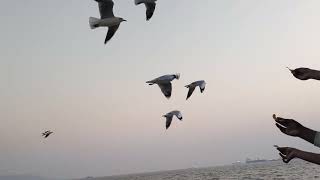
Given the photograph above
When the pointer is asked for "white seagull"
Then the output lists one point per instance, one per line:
(192, 86)
(107, 19)
(170, 115)
(164, 82)
(150, 7)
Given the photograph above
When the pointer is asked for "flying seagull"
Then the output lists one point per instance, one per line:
(305, 73)
(150, 7)
(170, 115)
(107, 19)
(192, 87)
(46, 134)
(164, 82)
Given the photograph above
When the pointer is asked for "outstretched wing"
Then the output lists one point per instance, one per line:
(150, 9)
(111, 31)
(105, 8)
(168, 121)
(166, 89)
(191, 89)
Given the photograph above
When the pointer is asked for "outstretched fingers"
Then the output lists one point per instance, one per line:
(282, 129)
(282, 121)
(286, 154)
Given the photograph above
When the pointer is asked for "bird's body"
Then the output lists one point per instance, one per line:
(169, 117)
(107, 19)
(150, 7)
(164, 82)
(46, 134)
(107, 22)
(192, 86)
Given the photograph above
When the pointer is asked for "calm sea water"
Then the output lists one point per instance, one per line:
(297, 169)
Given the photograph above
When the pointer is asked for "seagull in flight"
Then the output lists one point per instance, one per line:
(164, 82)
(150, 7)
(192, 87)
(46, 134)
(170, 115)
(107, 19)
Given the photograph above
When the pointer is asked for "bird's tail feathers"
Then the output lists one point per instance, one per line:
(94, 22)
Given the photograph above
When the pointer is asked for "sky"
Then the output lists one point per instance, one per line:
(57, 74)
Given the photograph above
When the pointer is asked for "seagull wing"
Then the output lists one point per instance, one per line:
(105, 8)
(150, 9)
(191, 89)
(168, 121)
(111, 31)
(178, 114)
(166, 89)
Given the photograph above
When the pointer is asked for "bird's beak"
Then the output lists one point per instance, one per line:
(124, 20)
(289, 69)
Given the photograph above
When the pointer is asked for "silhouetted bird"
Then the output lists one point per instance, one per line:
(150, 7)
(170, 115)
(46, 134)
(107, 19)
(305, 73)
(192, 86)
(164, 82)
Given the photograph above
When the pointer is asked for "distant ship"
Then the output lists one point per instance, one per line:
(249, 161)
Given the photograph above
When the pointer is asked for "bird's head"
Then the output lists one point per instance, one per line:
(121, 20)
(177, 76)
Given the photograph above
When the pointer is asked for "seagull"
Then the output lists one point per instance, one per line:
(164, 82)
(305, 73)
(170, 115)
(192, 86)
(46, 134)
(150, 7)
(107, 19)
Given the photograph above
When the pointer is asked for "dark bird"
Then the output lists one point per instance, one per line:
(107, 19)
(46, 134)
(305, 73)
(170, 115)
(164, 82)
(192, 87)
(150, 7)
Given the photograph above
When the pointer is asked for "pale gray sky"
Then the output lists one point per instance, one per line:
(57, 74)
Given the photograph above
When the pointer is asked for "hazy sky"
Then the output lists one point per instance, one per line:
(57, 74)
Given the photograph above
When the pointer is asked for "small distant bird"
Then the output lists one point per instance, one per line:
(170, 115)
(107, 19)
(192, 86)
(46, 134)
(150, 7)
(164, 82)
(305, 73)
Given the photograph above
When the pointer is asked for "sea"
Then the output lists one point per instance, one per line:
(276, 170)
